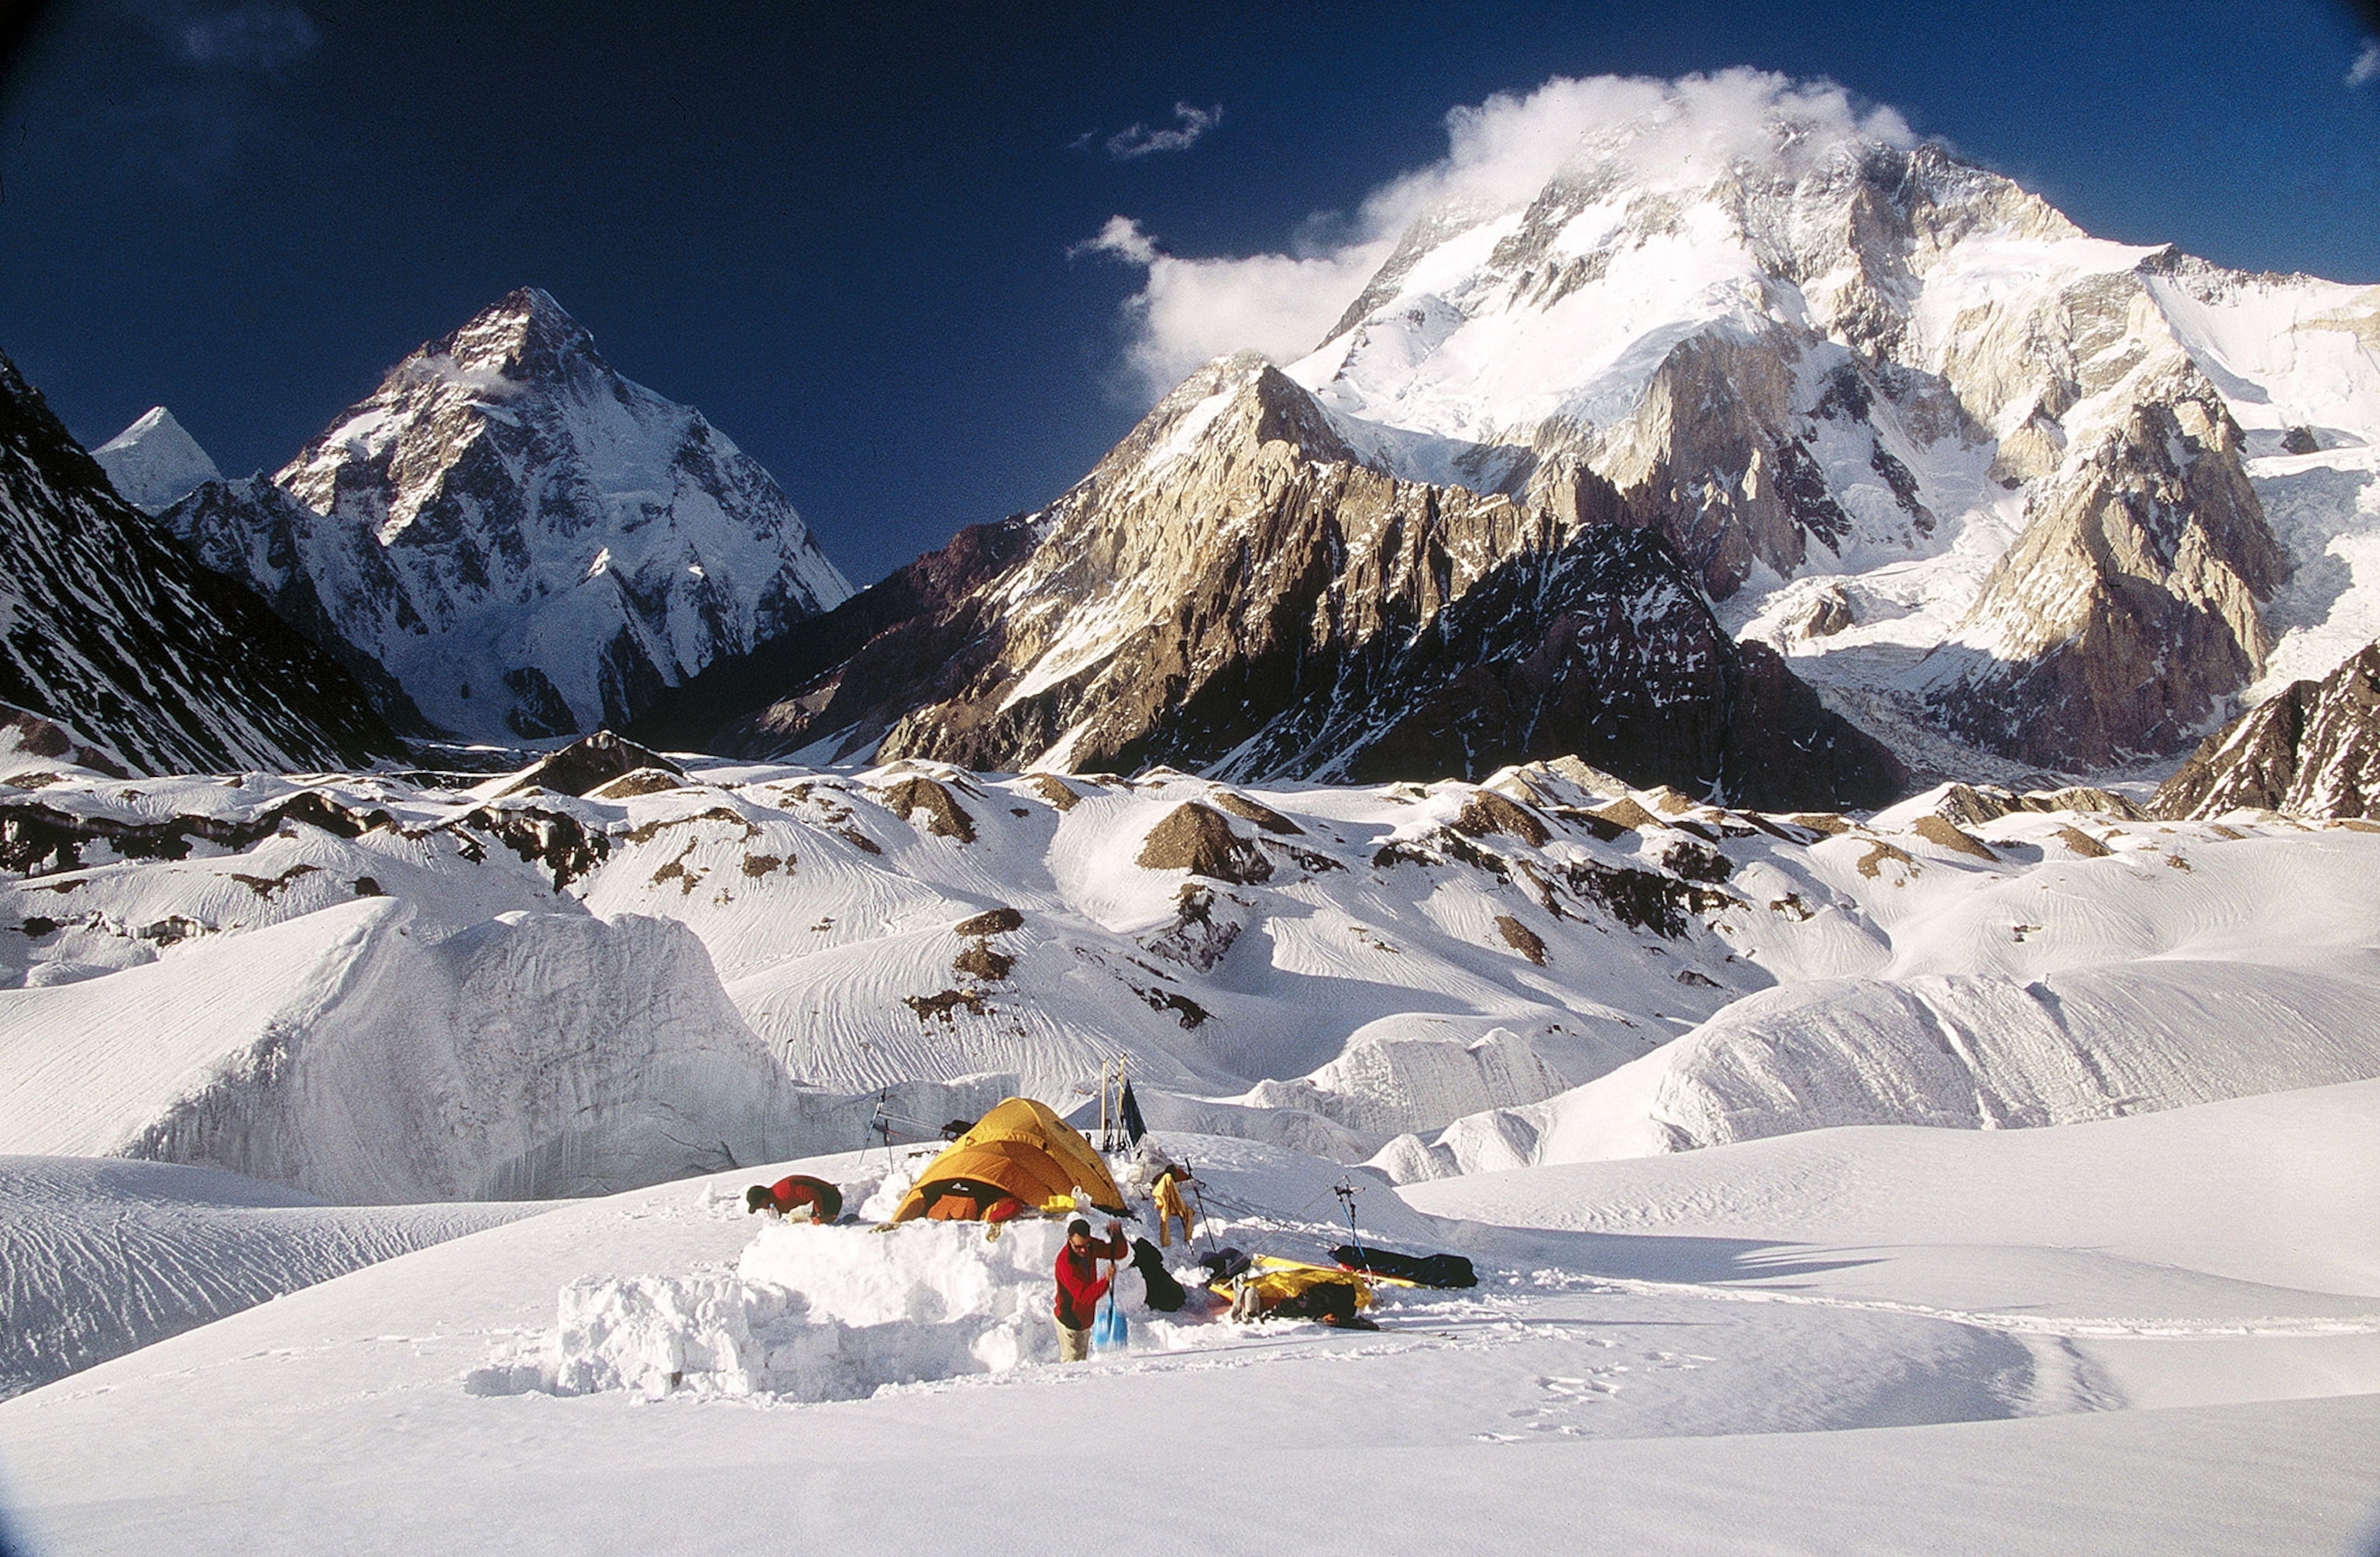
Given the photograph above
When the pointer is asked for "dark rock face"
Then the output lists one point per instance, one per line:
(115, 630)
(252, 531)
(585, 764)
(1282, 610)
(858, 658)
(2313, 750)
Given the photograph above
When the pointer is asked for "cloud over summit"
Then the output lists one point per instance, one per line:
(1500, 154)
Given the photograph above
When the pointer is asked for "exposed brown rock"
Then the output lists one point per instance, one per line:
(639, 780)
(992, 921)
(1486, 813)
(1054, 790)
(580, 766)
(2081, 843)
(981, 961)
(2312, 751)
(2126, 610)
(1195, 838)
(21, 730)
(1942, 832)
(939, 1006)
(1696, 861)
(1521, 939)
(1264, 816)
(647, 832)
(945, 817)
(1871, 864)
(1625, 812)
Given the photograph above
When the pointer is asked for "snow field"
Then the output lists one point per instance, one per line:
(538, 982)
(1803, 1343)
(100, 1257)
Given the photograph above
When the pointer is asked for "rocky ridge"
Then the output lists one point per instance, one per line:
(111, 630)
(2313, 750)
(1233, 590)
(1995, 488)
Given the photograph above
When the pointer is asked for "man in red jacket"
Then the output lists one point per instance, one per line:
(1080, 1285)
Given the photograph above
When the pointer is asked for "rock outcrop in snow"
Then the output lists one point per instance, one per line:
(524, 543)
(2313, 750)
(114, 632)
(153, 463)
(731, 963)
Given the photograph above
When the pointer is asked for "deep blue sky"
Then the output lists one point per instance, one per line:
(843, 232)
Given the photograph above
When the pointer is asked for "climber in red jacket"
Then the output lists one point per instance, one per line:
(797, 1195)
(1080, 1285)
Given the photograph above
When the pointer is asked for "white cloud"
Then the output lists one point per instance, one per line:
(1190, 311)
(2366, 66)
(1189, 123)
(255, 37)
(1500, 153)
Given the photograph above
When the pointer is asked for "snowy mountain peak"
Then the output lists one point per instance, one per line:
(1843, 371)
(531, 544)
(525, 336)
(153, 463)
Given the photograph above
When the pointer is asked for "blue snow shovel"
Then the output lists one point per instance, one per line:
(1108, 1332)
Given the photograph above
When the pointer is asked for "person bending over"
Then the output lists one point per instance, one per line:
(800, 1197)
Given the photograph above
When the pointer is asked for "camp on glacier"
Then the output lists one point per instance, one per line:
(1684, 846)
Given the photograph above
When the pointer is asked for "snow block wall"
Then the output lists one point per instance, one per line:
(810, 1313)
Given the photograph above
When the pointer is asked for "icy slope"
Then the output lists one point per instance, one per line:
(2134, 968)
(116, 633)
(531, 1054)
(99, 1258)
(153, 463)
(1790, 1369)
(525, 542)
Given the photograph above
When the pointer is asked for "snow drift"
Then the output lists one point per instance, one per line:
(532, 1055)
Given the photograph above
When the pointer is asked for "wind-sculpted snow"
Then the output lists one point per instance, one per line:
(382, 992)
(2136, 968)
(2158, 1329)
(100, 1257)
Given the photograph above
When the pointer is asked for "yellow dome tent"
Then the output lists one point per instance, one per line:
(1019, 1149)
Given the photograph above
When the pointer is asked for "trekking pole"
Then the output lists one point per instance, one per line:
(1198, 1193)
(1346, 1193)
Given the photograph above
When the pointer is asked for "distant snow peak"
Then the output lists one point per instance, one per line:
(153, 463)
(531, 544)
